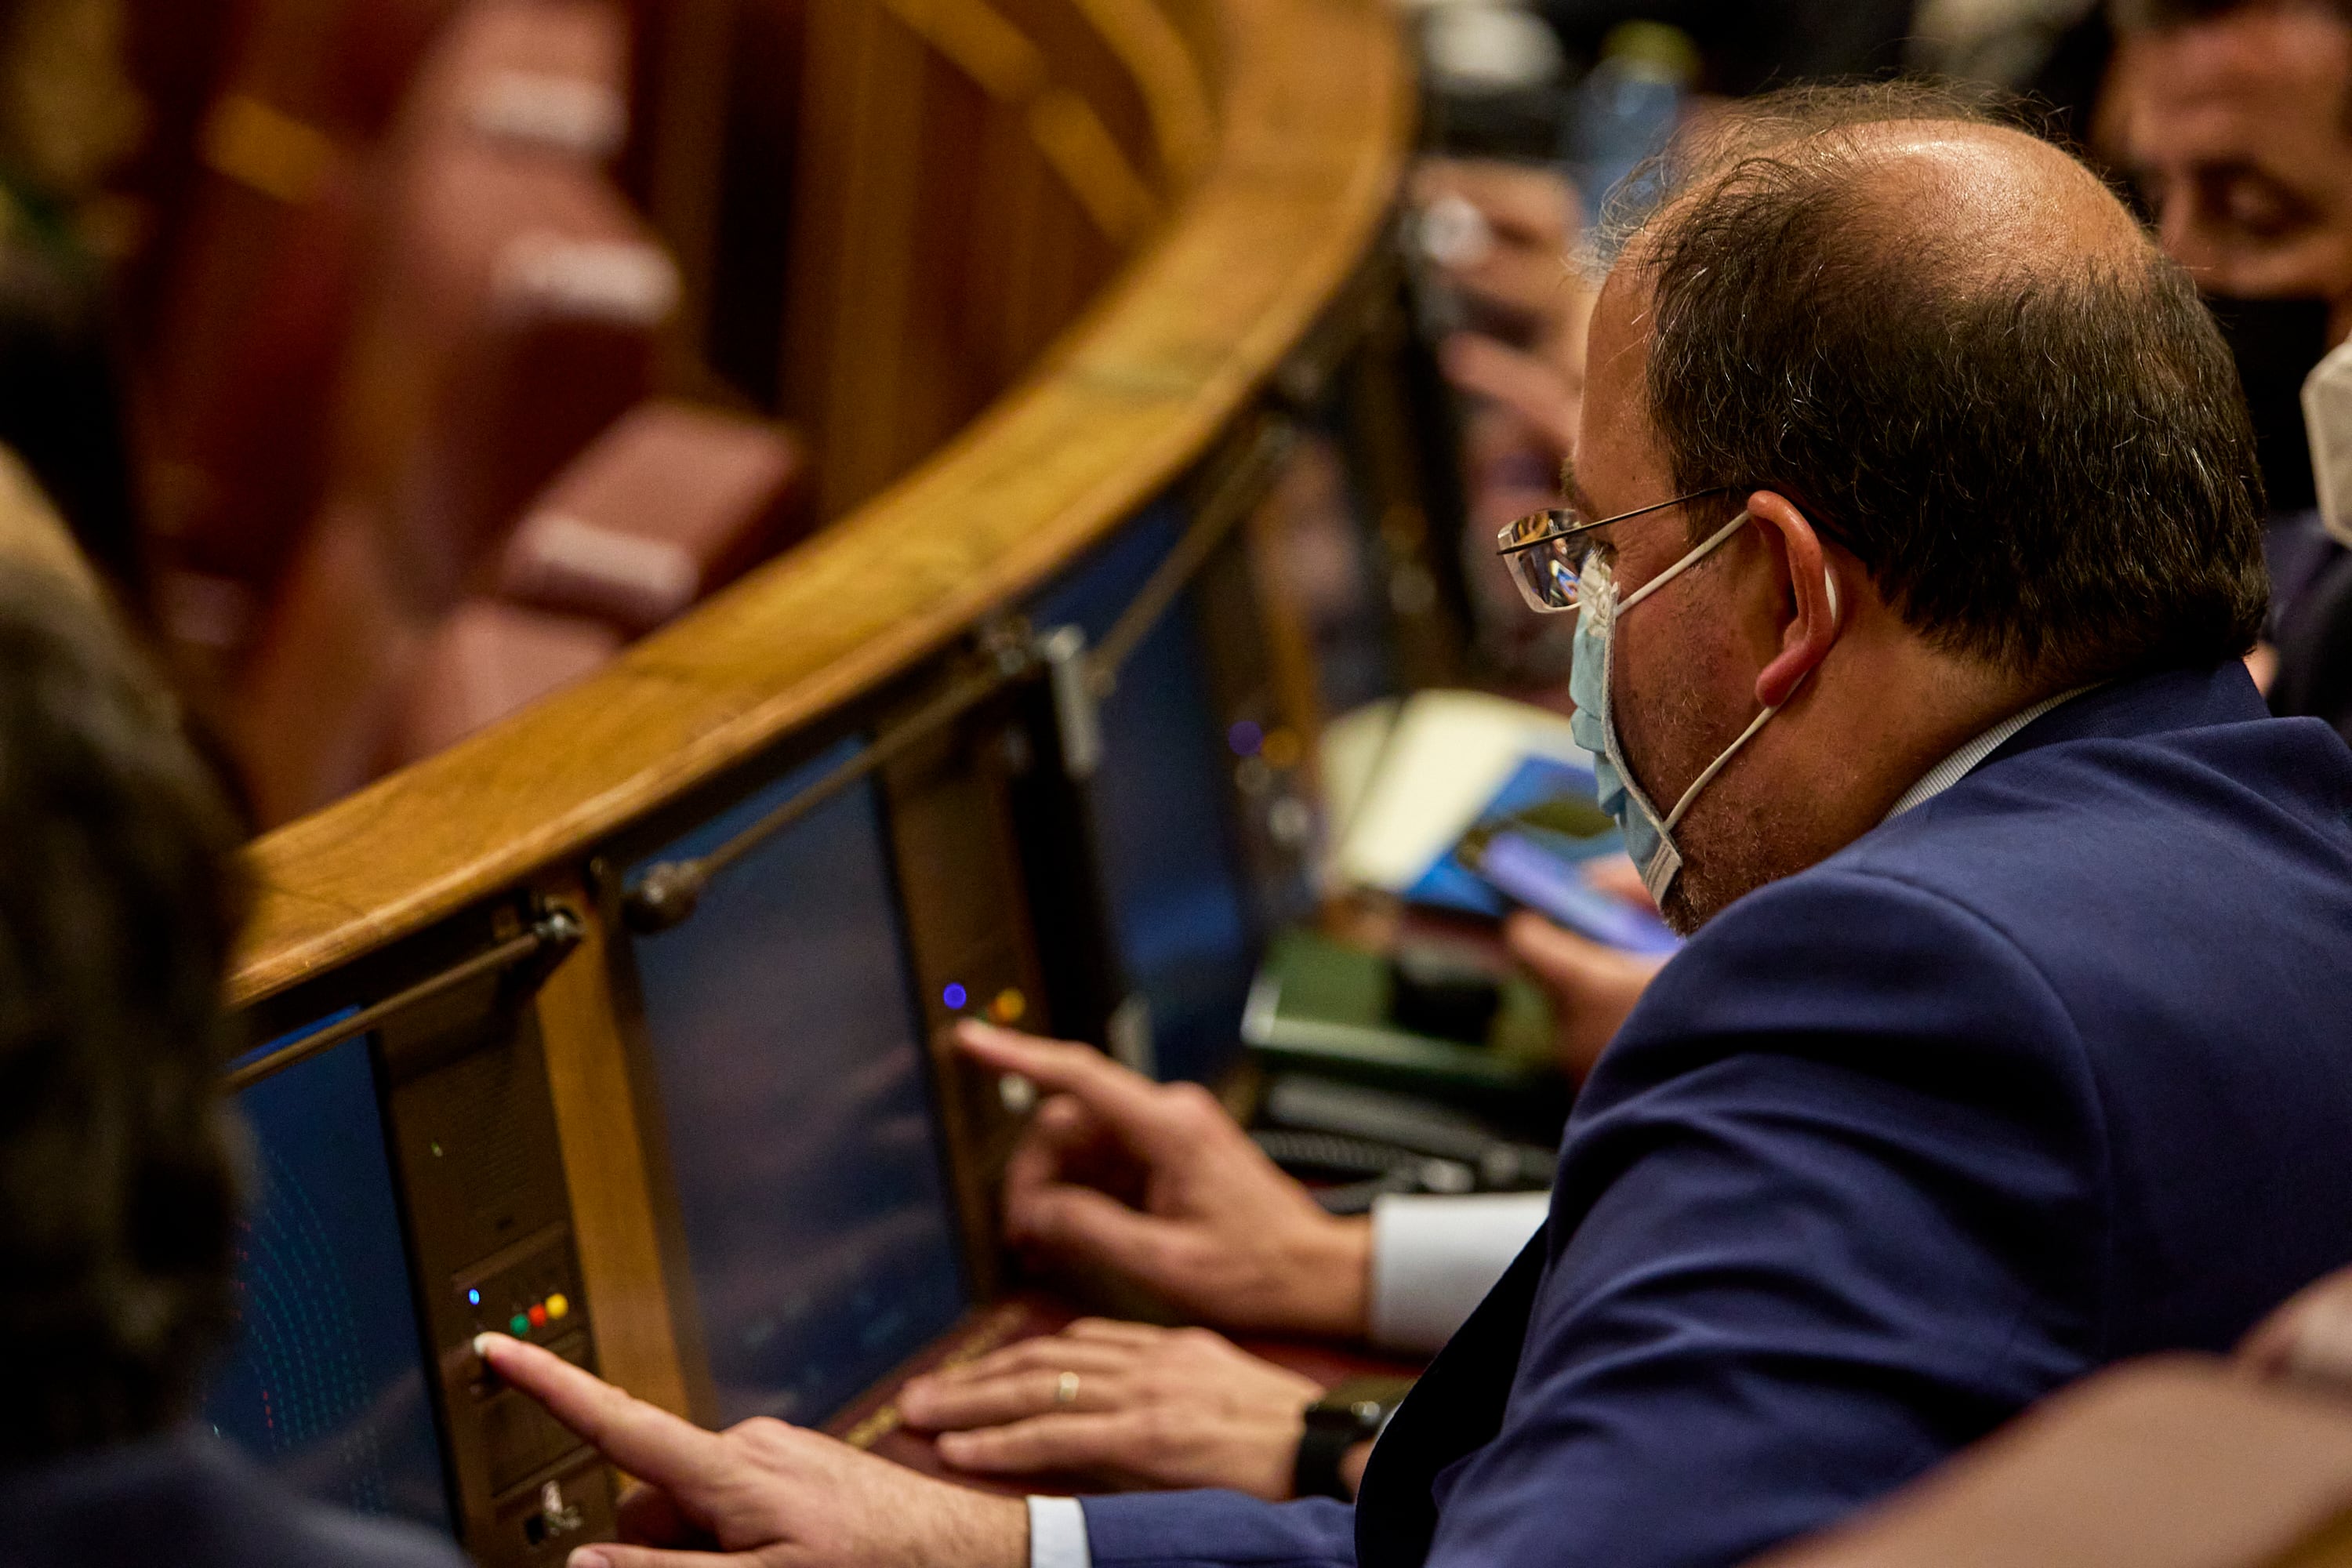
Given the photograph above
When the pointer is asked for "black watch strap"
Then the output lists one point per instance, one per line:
(1352, 1413)
(1317, 1471)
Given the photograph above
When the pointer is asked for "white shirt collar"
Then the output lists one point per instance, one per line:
(1962, 763)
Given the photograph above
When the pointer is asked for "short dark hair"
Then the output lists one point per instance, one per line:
(118, 1181)
(2047, 467)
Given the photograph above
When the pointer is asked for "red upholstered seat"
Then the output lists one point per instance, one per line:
(304, 178)
(400, 325)
(487, 660)
(671, 502)
(516, 318)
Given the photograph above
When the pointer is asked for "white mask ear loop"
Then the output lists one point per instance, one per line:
(1829, 580)
(1684, 564)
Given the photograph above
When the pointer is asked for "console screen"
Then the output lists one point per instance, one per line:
(1179, 900)
(818, 1222)
(325, 1381)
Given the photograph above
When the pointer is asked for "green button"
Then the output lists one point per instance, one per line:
(519, 1326)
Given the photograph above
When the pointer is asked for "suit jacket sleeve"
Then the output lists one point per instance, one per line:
(1165, 1529)
(1830, 1208)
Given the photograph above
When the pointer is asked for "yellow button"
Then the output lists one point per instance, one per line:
(557, 1307)
(1008, 1006)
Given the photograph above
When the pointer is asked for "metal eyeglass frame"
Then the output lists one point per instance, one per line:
(1508, 545)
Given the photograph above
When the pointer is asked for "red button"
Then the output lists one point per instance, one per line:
(538, 1315)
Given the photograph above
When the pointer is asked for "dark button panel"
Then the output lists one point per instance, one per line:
(481, 1169)
(519, 1437)
(542, 1520)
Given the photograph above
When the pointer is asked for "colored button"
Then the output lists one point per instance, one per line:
(518, 1325)
(538, 1315)
(558, 1309)
(1009, 1005)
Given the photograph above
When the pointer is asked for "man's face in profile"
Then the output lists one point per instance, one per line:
(1684, 676)
(2236, 132)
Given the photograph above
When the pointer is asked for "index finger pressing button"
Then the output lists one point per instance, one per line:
(647, 1442)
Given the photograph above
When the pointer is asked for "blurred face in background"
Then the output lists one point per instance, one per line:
(2238, 130)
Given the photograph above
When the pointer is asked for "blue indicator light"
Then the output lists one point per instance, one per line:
(473, 1297)
(955, 997)
(1245, 738)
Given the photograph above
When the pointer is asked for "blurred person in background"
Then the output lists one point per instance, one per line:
(2233, 118)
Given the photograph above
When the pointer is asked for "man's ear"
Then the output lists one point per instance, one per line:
(1812, 627)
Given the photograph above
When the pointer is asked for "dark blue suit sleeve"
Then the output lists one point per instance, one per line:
(1163, 1530)
(1828, 1210)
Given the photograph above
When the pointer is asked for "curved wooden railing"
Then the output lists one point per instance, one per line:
(1310, 128)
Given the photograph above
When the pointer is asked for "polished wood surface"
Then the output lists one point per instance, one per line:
(885, 210)
(599, 1116)
(1313, 118)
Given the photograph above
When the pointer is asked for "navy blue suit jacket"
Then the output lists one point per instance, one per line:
(186, 1499)
(2053, 1070)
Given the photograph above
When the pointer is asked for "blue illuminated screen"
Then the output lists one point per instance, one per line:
(325, 1381)
(1178, 903)
(818, 1226)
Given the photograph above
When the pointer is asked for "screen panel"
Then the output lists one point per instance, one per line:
(325, 1381)
(818, 1223)
(1178, 900)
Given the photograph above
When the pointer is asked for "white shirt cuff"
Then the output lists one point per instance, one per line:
(1057, 1533)
(1434, 1258)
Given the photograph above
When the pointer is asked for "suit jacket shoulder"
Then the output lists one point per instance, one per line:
(188, 1500)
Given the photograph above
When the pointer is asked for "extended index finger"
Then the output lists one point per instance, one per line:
(1127, 1100)
(643, 1439)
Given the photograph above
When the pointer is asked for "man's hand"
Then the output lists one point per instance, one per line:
(1528, 213)
(2308, 1340)
(1528, 219)
(762, 1494)
(1592, 987)
(1157, 1183)
(1135, 1406)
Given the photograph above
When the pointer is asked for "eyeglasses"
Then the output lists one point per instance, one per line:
(1547, 551)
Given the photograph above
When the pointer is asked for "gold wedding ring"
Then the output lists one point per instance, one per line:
(1065, 1389)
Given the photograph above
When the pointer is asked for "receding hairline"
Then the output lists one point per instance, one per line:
(1981, 201)
(2010, 204)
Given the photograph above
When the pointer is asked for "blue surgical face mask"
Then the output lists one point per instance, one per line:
(1649, 837)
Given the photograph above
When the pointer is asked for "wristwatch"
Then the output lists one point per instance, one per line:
(1351, 1412)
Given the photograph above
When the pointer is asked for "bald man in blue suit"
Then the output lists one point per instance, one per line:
(1915, 541)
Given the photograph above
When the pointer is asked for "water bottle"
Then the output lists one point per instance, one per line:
(1627, 108)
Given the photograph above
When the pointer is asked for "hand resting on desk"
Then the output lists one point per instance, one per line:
(1126, 1404)
(1158, 1184)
